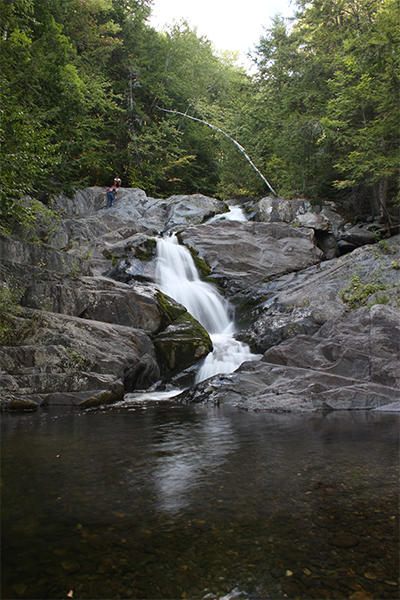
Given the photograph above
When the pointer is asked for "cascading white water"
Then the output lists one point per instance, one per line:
(235, 214)
(177, 277)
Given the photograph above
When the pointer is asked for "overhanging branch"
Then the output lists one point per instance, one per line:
(242, 150)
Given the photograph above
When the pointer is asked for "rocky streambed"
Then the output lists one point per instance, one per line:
(84, 324)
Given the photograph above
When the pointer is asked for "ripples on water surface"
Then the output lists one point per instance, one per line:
(188, 502)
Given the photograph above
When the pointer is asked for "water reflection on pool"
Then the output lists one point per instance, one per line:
(188, 502)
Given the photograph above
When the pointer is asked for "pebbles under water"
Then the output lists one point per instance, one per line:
(188, 502)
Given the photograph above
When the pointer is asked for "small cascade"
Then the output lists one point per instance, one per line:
(177, 276)
(235, 214)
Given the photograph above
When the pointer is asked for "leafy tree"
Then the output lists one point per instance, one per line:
(27, 158)
(327, 102)
(83, 81)
(290, 100)
(189, 77)
(363, 114)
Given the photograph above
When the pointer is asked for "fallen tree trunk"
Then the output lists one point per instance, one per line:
(242, 150)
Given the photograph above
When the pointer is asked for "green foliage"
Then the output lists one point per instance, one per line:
(384, 246)
(363, 112)
(357, 293)
(75, 268)
(381, 299)
(396, 264)
(14, 325)
(26, 159)
(75, 361)
(328, 99)
(81, 84)
(147, 250)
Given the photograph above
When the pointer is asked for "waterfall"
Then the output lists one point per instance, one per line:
(177, 276)
(235, 214)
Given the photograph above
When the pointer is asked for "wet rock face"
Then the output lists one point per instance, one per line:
(351, 363)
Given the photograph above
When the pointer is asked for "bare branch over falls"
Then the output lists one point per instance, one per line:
(242, 150)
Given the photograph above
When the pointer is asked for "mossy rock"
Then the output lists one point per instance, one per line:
(170, 309)
(22, 405)
(103, 397)
(147, 250)
(182, 344)
(201, 264)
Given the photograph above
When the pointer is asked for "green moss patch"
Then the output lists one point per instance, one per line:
(147, 250)
(357, 293)
(104, 397)
(169, 309)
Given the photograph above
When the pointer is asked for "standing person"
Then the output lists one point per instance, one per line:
(111, 195)
(117, 182)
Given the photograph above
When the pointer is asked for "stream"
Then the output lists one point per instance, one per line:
(149, 499)
(177, 276)
(157, 500)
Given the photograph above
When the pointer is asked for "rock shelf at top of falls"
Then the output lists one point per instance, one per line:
(93, 325)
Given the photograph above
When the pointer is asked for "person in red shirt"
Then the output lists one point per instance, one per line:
(112, 191)
(111, 195)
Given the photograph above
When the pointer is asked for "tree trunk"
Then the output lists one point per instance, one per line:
(383, 187)
(376, 209)
(379, 194)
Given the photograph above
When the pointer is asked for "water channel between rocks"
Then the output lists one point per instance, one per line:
(177, 277)
(169, 501)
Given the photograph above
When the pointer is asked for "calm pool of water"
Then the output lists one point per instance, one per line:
(188, 502)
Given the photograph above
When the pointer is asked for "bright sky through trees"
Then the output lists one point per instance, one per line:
(230, 26)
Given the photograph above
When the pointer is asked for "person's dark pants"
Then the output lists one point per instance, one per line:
(110, 199)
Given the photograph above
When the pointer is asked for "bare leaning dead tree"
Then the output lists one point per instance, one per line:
(242, 150)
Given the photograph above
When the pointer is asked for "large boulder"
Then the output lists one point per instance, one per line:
(323, 219)
(279, 210)
(61, 353)
(191, 210)
(352, 363)
(132, 213)
(300, 212)
(299, 303)
(360, 235)
(242, 255)
(98, 299)
(181, 344)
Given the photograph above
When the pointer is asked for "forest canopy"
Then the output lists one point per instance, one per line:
(83, 82)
